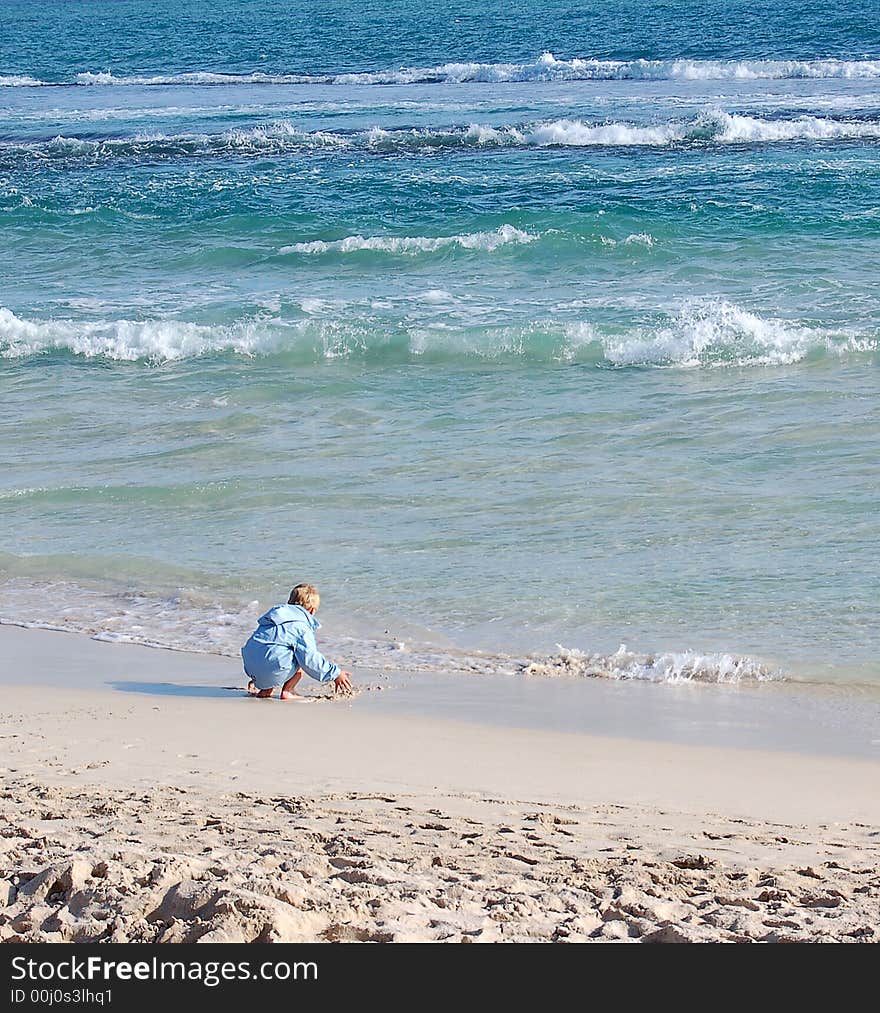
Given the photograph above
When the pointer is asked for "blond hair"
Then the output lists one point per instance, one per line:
(306, 595)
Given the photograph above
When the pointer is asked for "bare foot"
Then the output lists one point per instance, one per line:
(296, 697)
(264, 694)
(252, 689)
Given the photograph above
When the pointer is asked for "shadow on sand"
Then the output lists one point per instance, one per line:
(172, 689)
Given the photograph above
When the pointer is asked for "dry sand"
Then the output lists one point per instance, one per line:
(136, 816)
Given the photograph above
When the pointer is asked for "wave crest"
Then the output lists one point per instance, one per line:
(19, 81)
(546, 68)
(283, 137)
(413, 245)
(701, 333)
(718, 332)
(128, 340)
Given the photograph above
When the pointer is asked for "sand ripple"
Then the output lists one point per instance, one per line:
(173, 865)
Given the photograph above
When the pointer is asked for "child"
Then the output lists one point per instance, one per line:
(283, 647)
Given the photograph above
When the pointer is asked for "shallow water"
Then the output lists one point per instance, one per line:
(504, 350)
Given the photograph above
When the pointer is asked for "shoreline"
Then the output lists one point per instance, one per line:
(769, 717)
(198, 620)
(176, 817)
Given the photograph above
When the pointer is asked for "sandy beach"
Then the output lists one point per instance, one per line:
(538, 344)
(174, 808)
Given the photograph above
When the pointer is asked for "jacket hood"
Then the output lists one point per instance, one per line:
(281, 614)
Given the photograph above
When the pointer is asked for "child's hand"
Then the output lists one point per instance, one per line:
(342, 683)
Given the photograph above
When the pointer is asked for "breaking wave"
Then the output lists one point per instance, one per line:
(131, 340)
(281, 137)
(700, 333)
(413, 245)
(19, 81)
(202, 622)
(546, 68)
(671, 667)
(718, 332)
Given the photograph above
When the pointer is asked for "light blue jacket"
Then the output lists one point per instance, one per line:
(283, 641)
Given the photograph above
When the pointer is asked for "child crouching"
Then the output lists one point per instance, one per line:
(283, 646)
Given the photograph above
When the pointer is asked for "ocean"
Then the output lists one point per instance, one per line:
(542, 340)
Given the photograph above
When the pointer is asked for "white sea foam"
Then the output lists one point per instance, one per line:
(200, 621)
(274, 136)
(487, 135)
(714, 126)
(744, 129)
(710, 127)
(545, 68)
(129, 340)
(308, 305)
(277, 137)
(577, 134)
(198, 77)
(700, 333)
(18, 81)
(412, 245)
(752, 70)
(670, 667)
(205, 623)
(436, 297)
(639, 239)
(634, 239)
(706, 332)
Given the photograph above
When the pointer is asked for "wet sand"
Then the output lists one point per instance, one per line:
(176, 809)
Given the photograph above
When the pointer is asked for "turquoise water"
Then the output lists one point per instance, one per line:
(510, 328)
